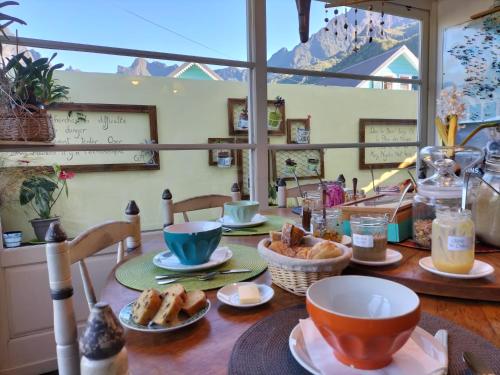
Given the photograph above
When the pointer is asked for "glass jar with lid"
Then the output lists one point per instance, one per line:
(369, 237)
(453, 241)
(440, 191)
(328, 227)
(486, 203)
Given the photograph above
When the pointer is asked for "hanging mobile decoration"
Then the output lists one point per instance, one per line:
(326, 18)
(370, 25)
(336, 21)
(356, 49)
(382, 22)
(346, 25)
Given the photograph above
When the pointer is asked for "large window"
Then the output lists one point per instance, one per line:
(205, 74)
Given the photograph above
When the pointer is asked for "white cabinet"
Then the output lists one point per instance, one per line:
(26, 337)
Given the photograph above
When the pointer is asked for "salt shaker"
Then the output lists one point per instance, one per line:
(235, 192)
(281, 193)
(168, 208)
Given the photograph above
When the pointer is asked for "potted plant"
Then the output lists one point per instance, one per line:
(33, 88)
(274, 118)
(42, 192)
(243, 118)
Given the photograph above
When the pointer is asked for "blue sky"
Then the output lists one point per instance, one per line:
(214, 28)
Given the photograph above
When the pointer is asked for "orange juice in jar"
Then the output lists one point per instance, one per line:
(453, 241)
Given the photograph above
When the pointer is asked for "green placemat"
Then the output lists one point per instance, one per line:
(139, 273)
(273, 223)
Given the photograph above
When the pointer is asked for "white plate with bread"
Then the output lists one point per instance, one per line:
(166, 311)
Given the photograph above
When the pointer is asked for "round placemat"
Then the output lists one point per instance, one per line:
(273, 223)
(139, 273)
(263, 348)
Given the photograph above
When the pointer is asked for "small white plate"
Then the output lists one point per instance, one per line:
(298, 347)
(346, 240)
(392, 256)
(229, 294)
(228, 222)
(126, 319)
(169, 261)
(479, 269)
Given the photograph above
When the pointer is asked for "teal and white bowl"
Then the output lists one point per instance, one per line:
(194, 242)
(241, 211)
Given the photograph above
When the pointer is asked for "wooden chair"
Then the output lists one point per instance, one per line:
(200, 203)
(61, 254)
(295, 191)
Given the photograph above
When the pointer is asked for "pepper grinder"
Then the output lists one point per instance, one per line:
(235, 192)
(281, 193)
(168, 208)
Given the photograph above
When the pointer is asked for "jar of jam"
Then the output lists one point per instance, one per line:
(453, 241)
(328, 227)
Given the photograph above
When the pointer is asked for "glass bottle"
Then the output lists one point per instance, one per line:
(453, 241)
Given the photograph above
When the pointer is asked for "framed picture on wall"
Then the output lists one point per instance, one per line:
(238, 116)
(298, 131)
(221, 157)
(303, 162)
(387, 131)
(100, 124)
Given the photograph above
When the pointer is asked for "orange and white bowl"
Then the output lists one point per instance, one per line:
(364, 319)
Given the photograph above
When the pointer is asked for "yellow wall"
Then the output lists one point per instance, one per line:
(191, 111)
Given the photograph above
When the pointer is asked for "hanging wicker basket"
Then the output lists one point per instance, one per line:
(26, 123)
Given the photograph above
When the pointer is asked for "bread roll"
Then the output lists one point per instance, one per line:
(324, 250)
(275, 236)
(291, 235)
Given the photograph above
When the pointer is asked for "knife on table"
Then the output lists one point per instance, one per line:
(476, 365)
(181, 275)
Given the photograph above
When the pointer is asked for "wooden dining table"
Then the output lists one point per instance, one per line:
(205, 347)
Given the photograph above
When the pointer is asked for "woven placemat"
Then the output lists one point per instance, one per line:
(263, 348)
(138, 273)
(273, 223)
(479, 248)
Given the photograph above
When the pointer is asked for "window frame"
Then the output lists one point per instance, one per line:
(257, 92)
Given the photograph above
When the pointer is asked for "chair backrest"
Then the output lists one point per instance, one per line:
(295, 192)
(200, 203)
(61, 254)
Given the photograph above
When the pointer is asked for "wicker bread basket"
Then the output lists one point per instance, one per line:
(296, 275)
(26, 124)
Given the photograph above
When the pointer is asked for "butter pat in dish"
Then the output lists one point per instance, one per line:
(249, 294)
(235, 295)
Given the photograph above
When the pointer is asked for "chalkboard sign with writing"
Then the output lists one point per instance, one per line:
(387, 131)
(98, 124)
